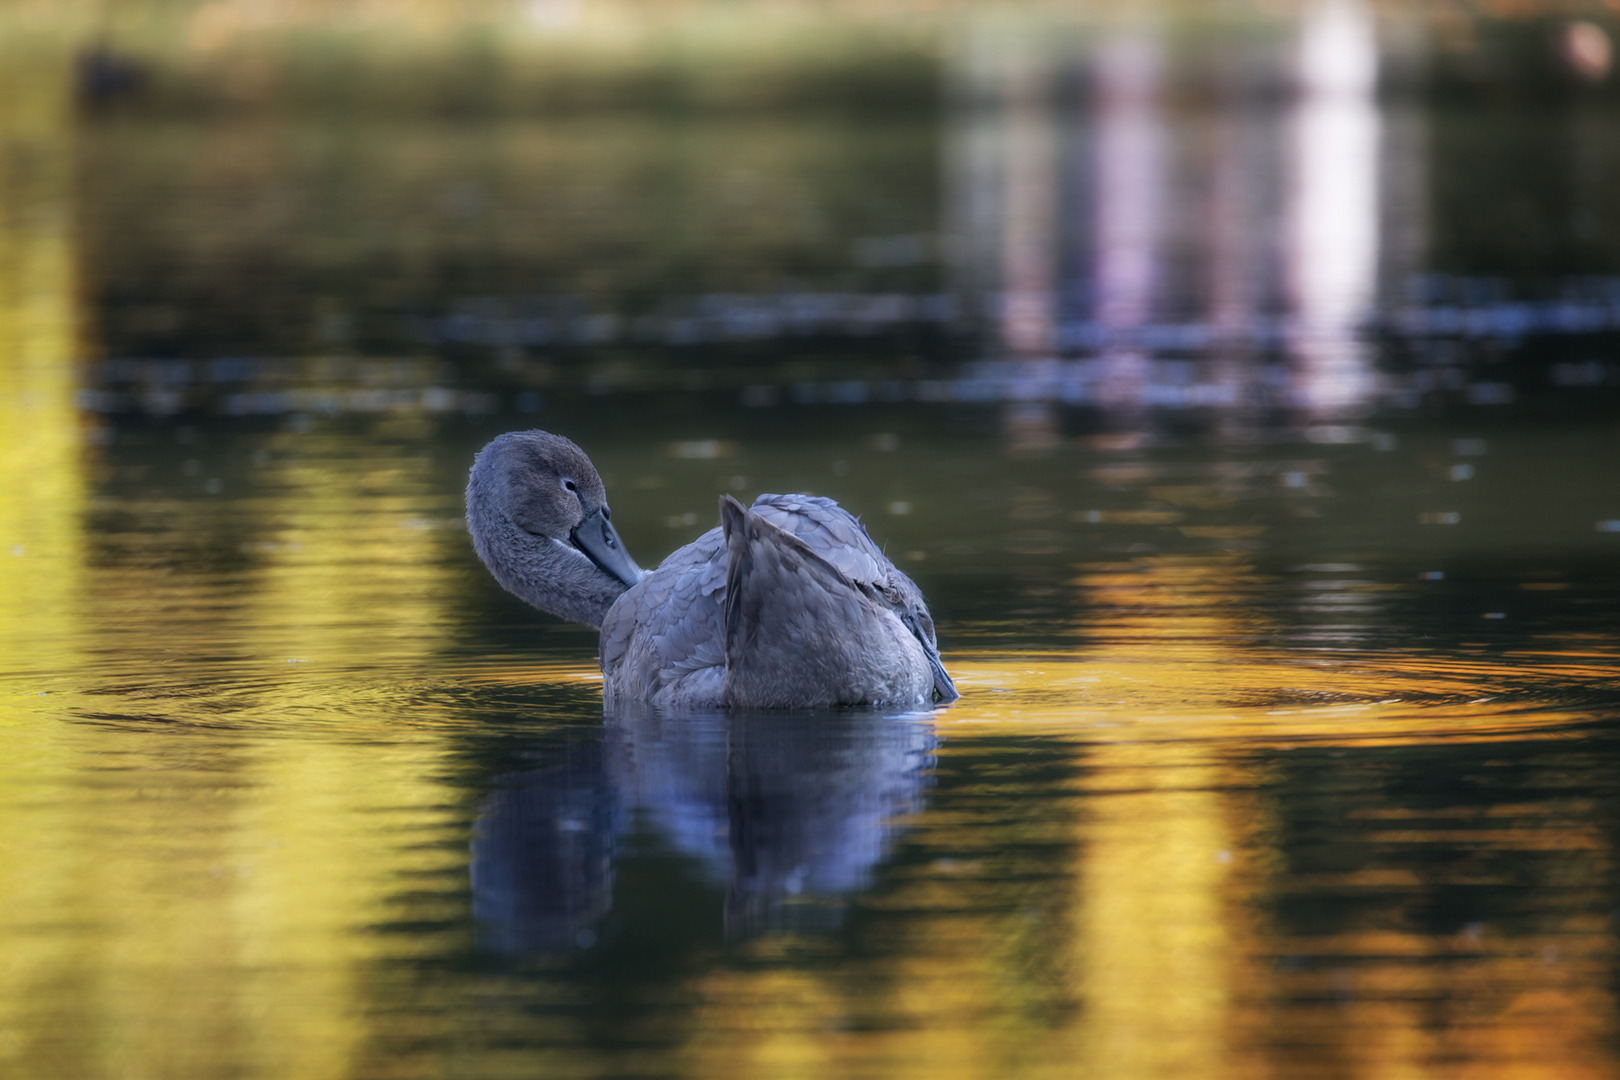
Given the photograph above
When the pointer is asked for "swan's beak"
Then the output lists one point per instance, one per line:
(943, 686)
(596, 538)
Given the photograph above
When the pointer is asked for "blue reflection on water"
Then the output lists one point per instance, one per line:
(788, 814)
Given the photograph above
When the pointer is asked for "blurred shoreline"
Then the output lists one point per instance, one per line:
(1303, 214)
(463, 61)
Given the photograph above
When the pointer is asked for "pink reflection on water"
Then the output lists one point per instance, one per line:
(1028, 259)
(1130, 168)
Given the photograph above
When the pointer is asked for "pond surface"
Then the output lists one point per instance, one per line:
(1287, 630)
(292, 789)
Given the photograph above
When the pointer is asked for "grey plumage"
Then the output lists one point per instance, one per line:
(789, 604)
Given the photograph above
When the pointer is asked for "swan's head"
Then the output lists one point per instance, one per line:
(534, 496)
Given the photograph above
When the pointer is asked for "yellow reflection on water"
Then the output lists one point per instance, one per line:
(204, 910)
(41, 480)
(250, 825)
(1172, 657)
(347, 566)
(177, 900)
(1166, 713)
(1151, 941)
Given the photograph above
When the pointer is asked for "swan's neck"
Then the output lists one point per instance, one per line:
(545, 573)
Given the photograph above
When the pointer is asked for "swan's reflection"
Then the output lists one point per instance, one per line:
(788, 813)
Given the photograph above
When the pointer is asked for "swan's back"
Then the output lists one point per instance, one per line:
(789, 603)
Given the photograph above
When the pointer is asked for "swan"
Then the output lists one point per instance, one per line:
(787, 604)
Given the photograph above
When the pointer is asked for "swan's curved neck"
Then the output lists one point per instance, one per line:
(545, 573)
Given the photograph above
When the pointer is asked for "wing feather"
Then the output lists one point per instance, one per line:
(830, 531)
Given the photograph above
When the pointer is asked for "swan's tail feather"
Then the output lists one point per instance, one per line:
(739, 564)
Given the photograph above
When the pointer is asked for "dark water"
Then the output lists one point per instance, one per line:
(1286, 627)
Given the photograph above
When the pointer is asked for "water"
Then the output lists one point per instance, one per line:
(1290, 679)
(292, 789)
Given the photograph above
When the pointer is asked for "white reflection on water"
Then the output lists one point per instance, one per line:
(1217, 226)
(1333, 205)
(1212, 213)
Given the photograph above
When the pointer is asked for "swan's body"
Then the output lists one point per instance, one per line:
(787, 604)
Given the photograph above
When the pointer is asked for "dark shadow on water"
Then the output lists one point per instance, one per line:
(542, 854)
(786, 815)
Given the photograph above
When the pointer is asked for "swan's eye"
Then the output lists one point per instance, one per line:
(570, 485)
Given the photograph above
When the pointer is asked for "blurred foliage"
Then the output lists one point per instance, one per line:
(513, 57)
(476, 59)
(365, 227)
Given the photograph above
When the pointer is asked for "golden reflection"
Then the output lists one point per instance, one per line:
(1154, 955)
(256, 931)
(345, 571)
(41, 481)
(42, 497)
(320, 856)
(1152, 936)
(210, 910)
(1171, 656)
(181, 901)
(1167, 713)
(1386, 1004)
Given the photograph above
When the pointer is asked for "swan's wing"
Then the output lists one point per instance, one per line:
(829, 531)
(669, 625)
(838, 537)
